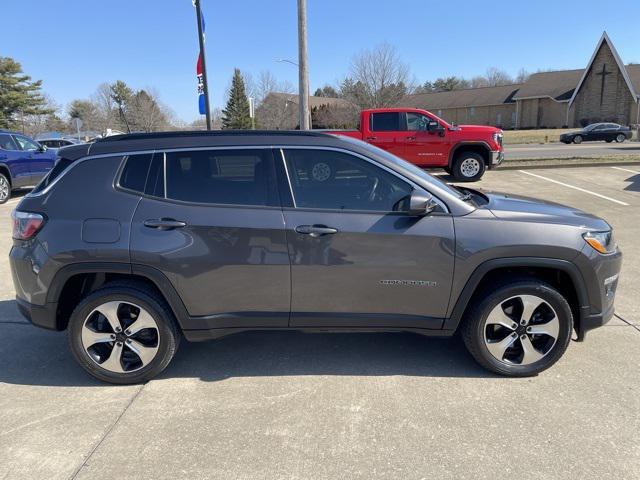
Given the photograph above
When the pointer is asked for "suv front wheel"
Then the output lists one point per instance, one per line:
(123, 334)
(519, 329)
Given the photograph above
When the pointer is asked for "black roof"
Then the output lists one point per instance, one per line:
(189, 139)
(212, 133)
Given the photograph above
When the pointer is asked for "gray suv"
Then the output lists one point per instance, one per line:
(136, 240)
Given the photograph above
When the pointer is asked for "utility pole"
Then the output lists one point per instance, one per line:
(303, 72)
(205, 84)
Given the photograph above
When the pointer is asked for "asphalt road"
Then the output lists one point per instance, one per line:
(296, 406)
(560, 150)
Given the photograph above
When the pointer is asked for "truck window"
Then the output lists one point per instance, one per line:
(385, 122)
(417, 122)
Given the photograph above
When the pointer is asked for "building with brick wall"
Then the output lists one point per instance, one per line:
(606, 90)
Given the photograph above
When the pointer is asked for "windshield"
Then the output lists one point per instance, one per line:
(417, 171)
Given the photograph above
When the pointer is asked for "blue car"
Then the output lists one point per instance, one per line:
(23, 162)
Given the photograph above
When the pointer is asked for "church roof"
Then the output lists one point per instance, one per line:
(625, 74)
(470, 97)
(558, 85)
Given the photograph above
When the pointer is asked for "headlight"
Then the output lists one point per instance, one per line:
(603, 242)
(497, 137)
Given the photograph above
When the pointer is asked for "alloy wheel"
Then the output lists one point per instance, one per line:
(470, 167)
(120, 337)
(620, 138)
(4, 189)
(521, 330)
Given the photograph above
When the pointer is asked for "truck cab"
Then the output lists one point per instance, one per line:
(424, 139)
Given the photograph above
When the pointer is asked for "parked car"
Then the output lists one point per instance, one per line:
(607, 132)
(56, 143)
(420, 137)
(23, 162)
(135, 239)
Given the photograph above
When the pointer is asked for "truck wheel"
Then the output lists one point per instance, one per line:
(123, 334)
(5, 188)
(518, 329)
(468, 167)
(577, 139)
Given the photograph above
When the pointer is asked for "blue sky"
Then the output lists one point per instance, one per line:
(73, 45)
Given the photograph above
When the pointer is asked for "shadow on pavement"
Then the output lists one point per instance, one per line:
(32, 356)
(9, 313)
(634, 183)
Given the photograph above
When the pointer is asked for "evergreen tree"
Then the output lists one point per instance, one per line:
(236, 113)
(18, 94)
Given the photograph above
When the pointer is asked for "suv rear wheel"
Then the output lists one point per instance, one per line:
(5, 188)
(468, 167)
(123, 334)
(519, 329)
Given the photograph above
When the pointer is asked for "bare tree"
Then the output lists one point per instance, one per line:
(496, 77)
(380, 76)
(522, 76)
(105, 108)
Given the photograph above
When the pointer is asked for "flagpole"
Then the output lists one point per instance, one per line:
(204, 65)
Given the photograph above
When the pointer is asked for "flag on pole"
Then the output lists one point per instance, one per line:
(201, 101)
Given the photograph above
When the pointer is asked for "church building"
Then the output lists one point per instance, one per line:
(606, 90)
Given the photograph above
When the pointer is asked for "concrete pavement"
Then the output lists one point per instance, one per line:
(296, 406)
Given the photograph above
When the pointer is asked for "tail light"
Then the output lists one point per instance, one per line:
(26, 224)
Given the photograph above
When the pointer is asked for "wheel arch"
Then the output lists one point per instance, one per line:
(479, 147)
(562, 274)
(4, 168)
(74, 282)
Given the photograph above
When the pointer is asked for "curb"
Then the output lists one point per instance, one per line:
(541, 164)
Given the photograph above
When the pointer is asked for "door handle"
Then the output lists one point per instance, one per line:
(315, 230)
(371, 138)
(411, 138)
(164, 223)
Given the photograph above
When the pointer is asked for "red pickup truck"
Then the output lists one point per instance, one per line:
(420, 137)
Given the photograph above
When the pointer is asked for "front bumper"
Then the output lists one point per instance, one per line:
(496, 159)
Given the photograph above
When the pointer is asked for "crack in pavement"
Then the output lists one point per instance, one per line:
(106, 434)
(637, 327)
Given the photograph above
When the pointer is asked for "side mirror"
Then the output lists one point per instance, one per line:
(421, 204)
(435, 127)
(42, 149)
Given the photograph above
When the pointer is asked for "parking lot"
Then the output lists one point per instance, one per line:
(299, 406)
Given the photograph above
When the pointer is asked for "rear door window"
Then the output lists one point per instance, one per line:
(226, 177)
(385, 122)
(7, 143)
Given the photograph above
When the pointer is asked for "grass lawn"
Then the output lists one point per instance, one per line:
(534, 136)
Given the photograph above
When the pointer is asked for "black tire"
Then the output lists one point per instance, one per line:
(620, 138)
(168, 335)
(463, 174)
(448, 170)
(5, 188)
(473, 328)
(577, 139)
(609, 140)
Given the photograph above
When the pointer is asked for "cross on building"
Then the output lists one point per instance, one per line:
(603, 73)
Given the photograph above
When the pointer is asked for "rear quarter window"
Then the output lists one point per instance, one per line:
(135, 172)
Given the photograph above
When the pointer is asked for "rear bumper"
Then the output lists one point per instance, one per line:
(496, 159)
(40, 315)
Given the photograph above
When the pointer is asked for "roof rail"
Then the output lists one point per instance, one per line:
(215, 133)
